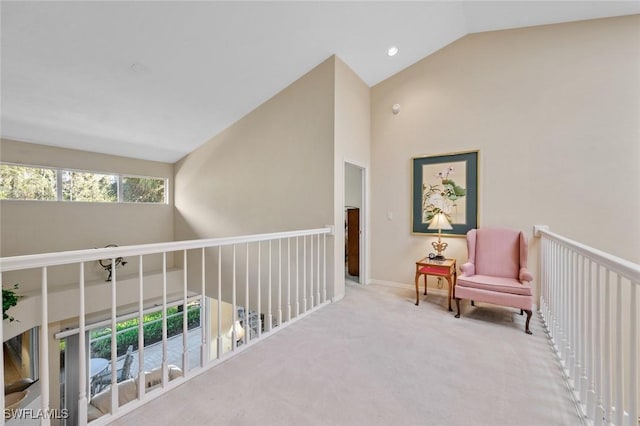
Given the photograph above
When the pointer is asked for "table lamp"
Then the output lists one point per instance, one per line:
(439, 222)
(239, 329)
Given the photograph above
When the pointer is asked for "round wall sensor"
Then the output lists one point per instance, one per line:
(395, 108)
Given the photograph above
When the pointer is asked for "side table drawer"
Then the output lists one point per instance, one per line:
(430, 269)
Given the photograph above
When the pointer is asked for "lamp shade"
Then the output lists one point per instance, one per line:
(440, 221)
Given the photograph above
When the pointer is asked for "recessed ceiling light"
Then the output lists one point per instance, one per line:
(393, 51)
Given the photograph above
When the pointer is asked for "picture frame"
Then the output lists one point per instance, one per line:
(446, 183)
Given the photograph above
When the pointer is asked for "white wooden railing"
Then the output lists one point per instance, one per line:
(589, 303)
(281, 296)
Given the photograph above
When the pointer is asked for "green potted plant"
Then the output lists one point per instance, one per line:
(9, 299)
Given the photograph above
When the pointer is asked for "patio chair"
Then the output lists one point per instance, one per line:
(103, 380)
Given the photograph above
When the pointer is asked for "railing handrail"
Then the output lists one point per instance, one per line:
(622, 267)
(14, 263)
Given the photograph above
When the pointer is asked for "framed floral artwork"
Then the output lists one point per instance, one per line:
(449, 184)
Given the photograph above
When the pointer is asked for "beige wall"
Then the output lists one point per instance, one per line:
(270, 171)
(352, 144)
(353, 186)
(554, 111)
(30, 227)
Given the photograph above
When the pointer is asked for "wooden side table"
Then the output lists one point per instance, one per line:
(439, 268)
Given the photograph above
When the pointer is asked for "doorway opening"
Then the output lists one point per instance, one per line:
(354, 222)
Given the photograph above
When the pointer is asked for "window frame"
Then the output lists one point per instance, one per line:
(129, 175)
(119, 181)
(57, 181)
(60, 171)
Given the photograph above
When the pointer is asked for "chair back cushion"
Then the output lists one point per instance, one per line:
(497, 252)
(127, 391)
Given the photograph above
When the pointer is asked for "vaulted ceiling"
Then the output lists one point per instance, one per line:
(155, 80)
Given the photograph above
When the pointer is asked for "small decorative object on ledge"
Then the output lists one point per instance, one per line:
(9, 299)
(108, 264)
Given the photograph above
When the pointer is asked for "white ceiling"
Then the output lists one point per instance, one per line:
(155, 80)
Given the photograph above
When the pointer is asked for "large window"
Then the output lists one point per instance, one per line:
(22, 182)
(143, 189)
(27, 183)
(87, 186)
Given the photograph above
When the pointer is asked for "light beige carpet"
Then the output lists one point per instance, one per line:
(376, 359)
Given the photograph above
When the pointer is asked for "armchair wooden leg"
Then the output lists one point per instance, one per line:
(458, 306)
(526, 328)
(473, 303)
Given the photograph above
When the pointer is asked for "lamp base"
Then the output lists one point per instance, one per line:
(439, 248)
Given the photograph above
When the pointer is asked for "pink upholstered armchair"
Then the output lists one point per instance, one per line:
(496, 271)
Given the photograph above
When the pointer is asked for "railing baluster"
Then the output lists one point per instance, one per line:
(311, 298)
(560, 311)
(279, 281)
(573, 295)
(566, 320)
(205, 326)
(247, 327)
(114, 342)
(585, 344)
(297, 276)
(580, 367)
(324, 268)
(607, 350)
(318, 301)
(219, 303)
(82, 353)
(304, 273)
(165, 363)
(560, 305)
(269, 316)
(619, 357)
(545, 266)
(44, 349)
(141, 369)
(288, 279)
(185, 316)
(590, 345)
(558, 299)
(551, 290)
(258, 299)
(573, 320)
(234, 315)
(565, 310)
(556, 293)
(598, 348)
